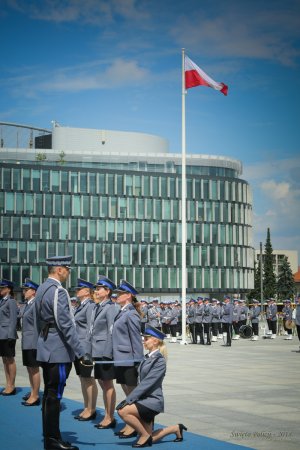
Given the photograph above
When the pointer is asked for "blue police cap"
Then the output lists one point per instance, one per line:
(29, 284)
(199, 298)
(288, 301)
(214, 300)
(6, 283)
(64, 261)
(104, 281)
(124, 286)
(207, 299)
(152, 331)
(83, 284)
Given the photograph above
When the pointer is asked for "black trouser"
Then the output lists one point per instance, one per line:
(220, 327)
(298, 331)
(173, 329)
(272, 324)
(227, 328)
(255, 328)
(55, 376)
(199, 332)
(165, 328)
(192, 331)
(288, 330)
(206, 327)
(236, 327)
(179, 328)
(214, 328)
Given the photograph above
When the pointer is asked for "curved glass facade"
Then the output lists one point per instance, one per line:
(124, 220)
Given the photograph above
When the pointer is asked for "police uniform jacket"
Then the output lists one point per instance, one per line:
(216, 313)
(99, 338)
(144, 311)
(298, 314)
(62, 343)
(243, 312)
(173, 318)
(149, 392)
(154, 316)
(126, 337)
(236, 313)
(82, 316)
(29, 327)
(227, 309)
(191, 314)
(199, 313)
(272, 312)
(8, 318)
(254, 314)
(207, 314)
(287, 313)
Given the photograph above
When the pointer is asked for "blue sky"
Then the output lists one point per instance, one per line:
(117, 65)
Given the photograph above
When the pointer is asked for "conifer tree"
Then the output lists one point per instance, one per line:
(285, 282)
(269, 282)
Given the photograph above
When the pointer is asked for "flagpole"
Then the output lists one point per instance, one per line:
(183, 210)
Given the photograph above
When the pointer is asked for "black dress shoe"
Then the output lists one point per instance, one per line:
(112, 424)
(128, 436)
(147, 443)
(181, 428)
(85, 419)
(6, 394)
(36, 403)
(57, 444)
(77, 417)
(26, 396)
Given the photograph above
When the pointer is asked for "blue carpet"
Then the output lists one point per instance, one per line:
(21, 429)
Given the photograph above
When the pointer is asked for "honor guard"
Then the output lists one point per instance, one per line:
(227, 309)
(8, 334)
(215, 319)
(190, 319)
(199, 308)
(271, 315)
(57, 346)
(207, 317)
(236, 318)
(29, 339)
(154, 314)
(144, 316)
(173, 321)
(287, 317)
(254, 318)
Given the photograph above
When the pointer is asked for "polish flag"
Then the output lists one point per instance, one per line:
(194, 76)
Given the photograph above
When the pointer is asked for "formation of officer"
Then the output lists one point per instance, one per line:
(254, 316)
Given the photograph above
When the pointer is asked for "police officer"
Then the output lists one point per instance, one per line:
(297, 316)
(199, 307)
(215, 319)
(236, 318)
(154, 314)
(271, 315)
(227, 309)
(173, 319)
(8, 334)
(243, 313)
(190, 319)
(57, 346)
(254, 317)
(29, 338)
(127, 342)
(144, 317)
(165, 314)
(100, 342)
(82, 315)
(287, 316)
(207, 316)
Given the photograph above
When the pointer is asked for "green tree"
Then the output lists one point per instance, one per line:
(269, 275)
(285, 282)
(40, 157)
(255, 293)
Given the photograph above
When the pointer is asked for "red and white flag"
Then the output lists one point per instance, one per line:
(194, 76)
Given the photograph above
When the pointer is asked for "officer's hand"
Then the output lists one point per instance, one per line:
(121, 405)
(87, 360)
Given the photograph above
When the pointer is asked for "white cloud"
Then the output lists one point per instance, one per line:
(276, 191)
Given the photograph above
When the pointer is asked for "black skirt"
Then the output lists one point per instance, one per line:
(29, 358)
(146, 414)
(126, 375)
(104, 371)
(7, 348)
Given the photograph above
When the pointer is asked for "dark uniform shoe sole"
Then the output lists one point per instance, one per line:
(57, 444)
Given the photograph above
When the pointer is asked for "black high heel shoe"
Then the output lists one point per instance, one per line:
(85, 419)
(181, 428)
(112, 424)
(147, 443)
(128, 436)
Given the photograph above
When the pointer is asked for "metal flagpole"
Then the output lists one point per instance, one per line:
(183, 210)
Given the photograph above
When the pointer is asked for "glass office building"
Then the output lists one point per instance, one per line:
(118, 212)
